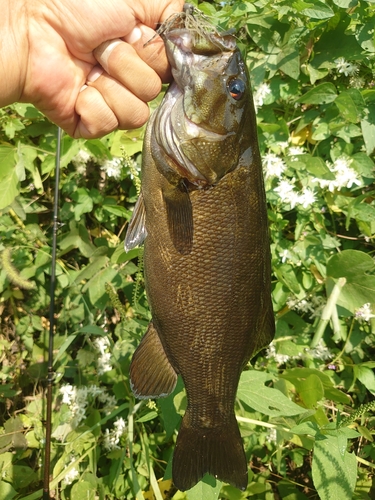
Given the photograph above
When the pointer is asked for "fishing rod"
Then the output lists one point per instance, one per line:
(50, 374)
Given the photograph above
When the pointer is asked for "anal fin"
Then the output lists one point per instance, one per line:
(151, 374)
(136, 232)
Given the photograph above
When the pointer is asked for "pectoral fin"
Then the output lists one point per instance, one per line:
(151, 374)
(136, 232)
(180, 217)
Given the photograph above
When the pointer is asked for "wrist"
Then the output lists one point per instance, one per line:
(13, 49)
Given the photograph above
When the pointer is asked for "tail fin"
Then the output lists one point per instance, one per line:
(217, 451)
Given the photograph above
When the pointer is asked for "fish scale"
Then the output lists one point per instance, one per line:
(206, 260)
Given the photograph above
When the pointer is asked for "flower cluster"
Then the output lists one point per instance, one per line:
(293, 194)
(273, 165)
(112, 437)
(70, 476)
(79, 398)
(113, 168)
(80, 161)
(345, 176)
(364, 313)
(287, 194)
(104, 362)
(319, 352)
(260, 94)
(345, 67)
(314, 306)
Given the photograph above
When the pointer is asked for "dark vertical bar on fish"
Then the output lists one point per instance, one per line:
(202, 215)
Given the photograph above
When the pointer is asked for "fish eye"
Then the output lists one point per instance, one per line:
(236, 88)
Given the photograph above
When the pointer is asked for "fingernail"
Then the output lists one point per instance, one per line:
(104, 50)
(94, 74)
(83, 88)
(134, 35)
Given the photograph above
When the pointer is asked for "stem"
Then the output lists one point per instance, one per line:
(327, 312)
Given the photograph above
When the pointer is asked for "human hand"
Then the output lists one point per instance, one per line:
(61, 76)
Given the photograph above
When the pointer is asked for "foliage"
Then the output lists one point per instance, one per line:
(305, 408)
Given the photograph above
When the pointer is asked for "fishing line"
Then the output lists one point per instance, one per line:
(50, 374)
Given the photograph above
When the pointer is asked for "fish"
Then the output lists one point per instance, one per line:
(202, 218)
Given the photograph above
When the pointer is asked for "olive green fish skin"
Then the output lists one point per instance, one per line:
(210, 301)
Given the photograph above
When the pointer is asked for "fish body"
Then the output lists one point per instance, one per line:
(202, 216)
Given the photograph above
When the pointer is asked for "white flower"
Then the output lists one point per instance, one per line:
(271, 436)
(94, 390)
(345, 176)
(112, 437)
(272, 354)
(80, 160)
(68, 392)
(113, 167)
(101, 343)
(287, 194)
(320, 352)
(260, 94)
(306, 198)
(104, 361)
(364, 313)
(70, 476)
(295, 150)
(108, 401)
(273, 165)
(285, 255)
(284, 189)
(357, 82)
(345, 67)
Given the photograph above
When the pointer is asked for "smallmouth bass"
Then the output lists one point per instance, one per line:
(202, 216)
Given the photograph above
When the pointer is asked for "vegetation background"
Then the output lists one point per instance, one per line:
(305, 406)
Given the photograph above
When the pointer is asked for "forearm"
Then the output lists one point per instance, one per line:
(13, 50)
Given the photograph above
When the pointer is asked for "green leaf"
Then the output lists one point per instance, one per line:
(209, 489)
(358, 268)
(321, 94)
(118, 210)
(311, 390)
(366, 376)
(83, 490)
(96, 286)
(308, 428)
(316, 10)
(7, 492)
(151, 415)
(335, 43)
(365, 36)
(93, 330)
(7, 160)
(266, 400)
(345, 4)
(363, 165)
(94, 267)
(368, 129)
(351, 105)
(9, 188)
(316, 166)
(130, 141)
(286, 275)
(334, 475)
(288, 61)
